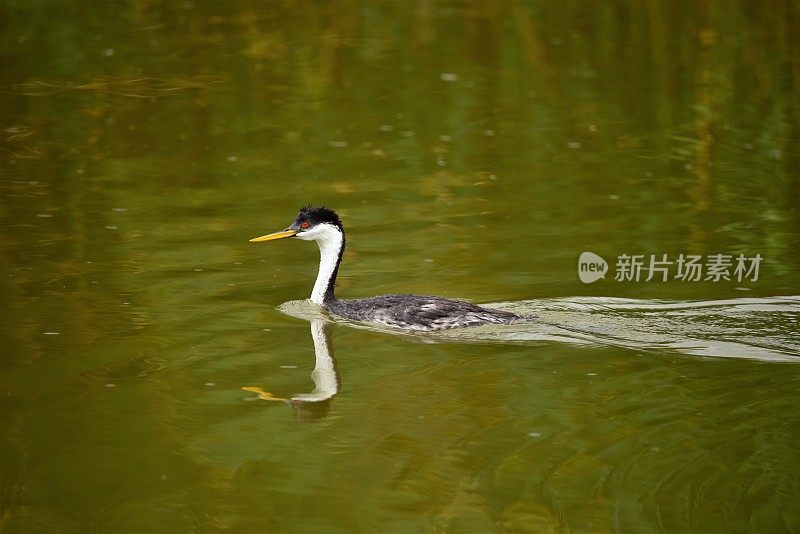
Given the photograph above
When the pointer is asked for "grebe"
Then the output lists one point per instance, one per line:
(414, 312)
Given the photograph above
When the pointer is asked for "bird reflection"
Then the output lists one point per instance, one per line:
(315, 404)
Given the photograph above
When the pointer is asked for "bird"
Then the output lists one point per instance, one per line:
(404, 311)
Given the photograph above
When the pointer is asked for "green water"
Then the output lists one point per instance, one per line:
(474, 150)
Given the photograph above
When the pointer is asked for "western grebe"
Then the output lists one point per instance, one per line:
(414, 312)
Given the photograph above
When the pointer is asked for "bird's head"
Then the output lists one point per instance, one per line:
(313, 223)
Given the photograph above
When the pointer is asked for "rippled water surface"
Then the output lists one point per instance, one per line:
(473, 150)
(759, 329)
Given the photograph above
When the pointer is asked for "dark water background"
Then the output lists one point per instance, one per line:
(474, 150)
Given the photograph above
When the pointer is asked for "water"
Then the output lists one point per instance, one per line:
(473, 151)
(759, 329)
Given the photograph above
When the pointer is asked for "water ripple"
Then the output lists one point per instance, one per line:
(752, 328)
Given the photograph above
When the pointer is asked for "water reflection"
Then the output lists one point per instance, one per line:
(325, 376)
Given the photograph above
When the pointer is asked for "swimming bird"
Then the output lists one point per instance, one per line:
(411, 312)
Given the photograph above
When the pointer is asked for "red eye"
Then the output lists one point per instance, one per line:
(304, 225)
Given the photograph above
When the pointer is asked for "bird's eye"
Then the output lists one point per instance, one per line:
(304, 225)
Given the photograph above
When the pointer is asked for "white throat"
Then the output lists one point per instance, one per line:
(330, 241)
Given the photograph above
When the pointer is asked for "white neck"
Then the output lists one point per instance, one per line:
(330, 240)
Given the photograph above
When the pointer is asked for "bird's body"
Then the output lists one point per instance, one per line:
(413, 312)
(418, 312)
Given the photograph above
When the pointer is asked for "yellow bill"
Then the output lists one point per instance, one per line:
(274, 235)
(265, 395)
